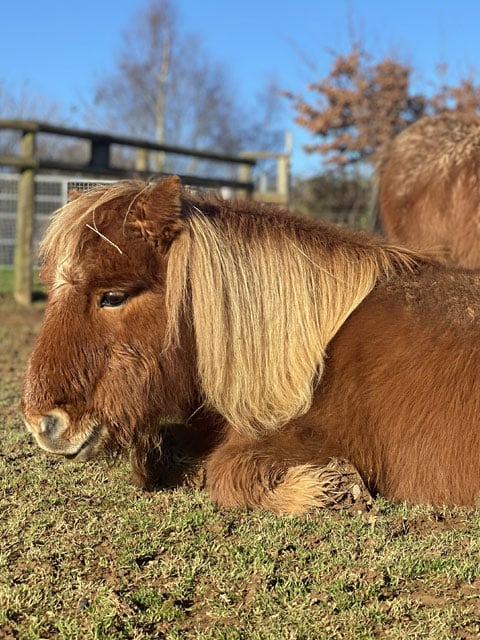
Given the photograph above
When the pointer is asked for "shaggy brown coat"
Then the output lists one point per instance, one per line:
(429, 188)
(260, 344)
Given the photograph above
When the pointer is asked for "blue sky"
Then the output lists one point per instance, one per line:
(60, 48)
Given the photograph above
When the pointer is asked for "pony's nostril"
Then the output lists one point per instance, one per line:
(50, 424)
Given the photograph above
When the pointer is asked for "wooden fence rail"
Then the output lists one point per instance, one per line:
(29, 162)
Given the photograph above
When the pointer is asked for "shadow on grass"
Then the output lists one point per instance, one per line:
(39, 296)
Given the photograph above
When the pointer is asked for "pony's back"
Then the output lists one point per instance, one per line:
(428, 182)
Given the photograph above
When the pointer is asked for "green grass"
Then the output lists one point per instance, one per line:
(83, 554)
(6, 282)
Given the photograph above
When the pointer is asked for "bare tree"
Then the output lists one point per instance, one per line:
(21, 102)
(165, 87)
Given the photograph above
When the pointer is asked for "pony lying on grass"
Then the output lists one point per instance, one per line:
(263, 345)
(428, 182)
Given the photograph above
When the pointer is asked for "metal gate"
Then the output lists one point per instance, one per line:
(51, 192)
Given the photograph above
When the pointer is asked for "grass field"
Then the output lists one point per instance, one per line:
(83, 554)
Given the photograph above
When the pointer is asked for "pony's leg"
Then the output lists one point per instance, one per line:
(172, 455)
(146, 463)
(246, 475)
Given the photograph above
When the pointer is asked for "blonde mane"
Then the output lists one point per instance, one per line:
(266, 297)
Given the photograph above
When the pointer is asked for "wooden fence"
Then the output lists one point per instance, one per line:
(28, 162)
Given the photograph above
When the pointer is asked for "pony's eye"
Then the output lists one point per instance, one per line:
(113, 298)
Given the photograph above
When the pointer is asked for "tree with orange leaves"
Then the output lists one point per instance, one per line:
(362, 104)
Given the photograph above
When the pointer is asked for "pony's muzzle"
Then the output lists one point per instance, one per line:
(48, 428)
(51, 431)
(49, 425)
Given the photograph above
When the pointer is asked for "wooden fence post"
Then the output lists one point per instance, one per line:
(141, 160)
(245, 175)
(23, 260)
(283, 179)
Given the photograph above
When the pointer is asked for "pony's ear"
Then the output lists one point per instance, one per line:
(156, 216)
(73, 194)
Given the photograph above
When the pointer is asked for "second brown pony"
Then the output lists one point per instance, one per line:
(429, 188)
(260, 343)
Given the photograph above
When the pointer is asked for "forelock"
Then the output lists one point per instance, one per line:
(68, 225)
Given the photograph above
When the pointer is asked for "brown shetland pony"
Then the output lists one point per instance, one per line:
(258, 343)
(428, 182)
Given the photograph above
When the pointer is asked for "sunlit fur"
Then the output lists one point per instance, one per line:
(428, 182)
(260, 344)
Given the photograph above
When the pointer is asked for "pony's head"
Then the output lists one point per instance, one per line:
(100, 367)
(160, 303)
